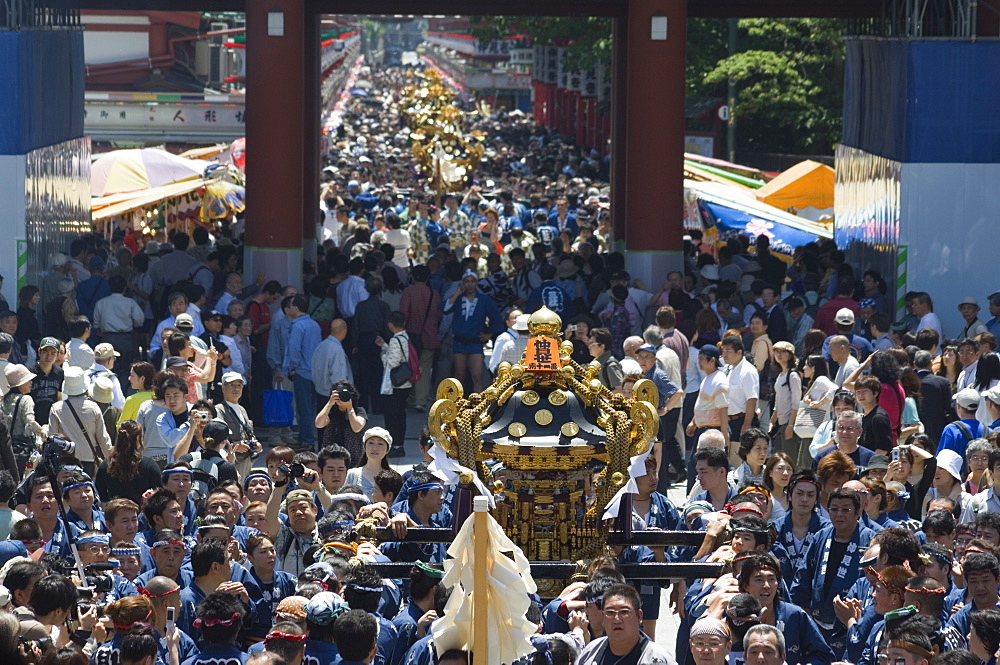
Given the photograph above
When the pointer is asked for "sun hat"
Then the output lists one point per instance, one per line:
(878, 462)
(566, 269)
(73, 382)
(17, 375)
(784, 346)
(521, 322)
(380, 432)
(710, 271)
(102, 390)
(968, 300)
(105, 351)
(951, 462)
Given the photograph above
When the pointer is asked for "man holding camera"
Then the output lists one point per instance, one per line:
(95, 551)
(52, 603)
(244, 442)
(293, 538)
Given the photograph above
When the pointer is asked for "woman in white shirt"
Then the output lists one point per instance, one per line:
(818, 395)
(787, 395)
(374, 460)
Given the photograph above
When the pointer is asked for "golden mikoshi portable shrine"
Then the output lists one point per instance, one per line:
(547, 418)
(438, 139)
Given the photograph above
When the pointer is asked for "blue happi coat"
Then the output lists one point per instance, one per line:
(811, 573)
(784, 545)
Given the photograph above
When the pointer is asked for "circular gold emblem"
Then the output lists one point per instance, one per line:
(529, 398)
(570, 429)
(516, 430)
(617, 478)
(557, 398)
(543, 416)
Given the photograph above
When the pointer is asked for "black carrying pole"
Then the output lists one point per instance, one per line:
(51, 455)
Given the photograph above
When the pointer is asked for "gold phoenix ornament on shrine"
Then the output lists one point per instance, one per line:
(547, 418)
(446, 153)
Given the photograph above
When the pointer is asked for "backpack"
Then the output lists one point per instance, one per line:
(205, 474)
(413, 360)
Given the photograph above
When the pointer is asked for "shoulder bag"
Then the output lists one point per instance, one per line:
(23, 445)
(98, 458)
(401, 373)
(808, 419)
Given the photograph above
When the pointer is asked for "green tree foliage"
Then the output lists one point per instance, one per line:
(789, 77)
(788, 72)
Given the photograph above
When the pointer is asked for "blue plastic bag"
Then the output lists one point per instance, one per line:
(278, 411)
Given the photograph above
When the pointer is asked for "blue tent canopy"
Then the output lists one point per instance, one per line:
(730, 218)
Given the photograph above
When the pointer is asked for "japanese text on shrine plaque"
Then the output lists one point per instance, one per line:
(542, 355)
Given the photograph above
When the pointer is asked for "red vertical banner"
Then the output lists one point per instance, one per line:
(590, 120)
(538, 102)
(566, 111)
(581, 120)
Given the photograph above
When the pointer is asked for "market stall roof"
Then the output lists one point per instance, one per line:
(136, 170)
(739, 169)
(106, 207)
(730, 211)
(694, 172)
(807, 187)
(205, 153)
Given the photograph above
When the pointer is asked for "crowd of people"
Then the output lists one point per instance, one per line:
(841, 461)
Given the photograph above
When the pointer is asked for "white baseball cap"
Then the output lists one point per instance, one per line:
(844, 317)
(230, 377)
(967, 398)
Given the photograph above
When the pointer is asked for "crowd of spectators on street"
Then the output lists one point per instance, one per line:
(840, 455)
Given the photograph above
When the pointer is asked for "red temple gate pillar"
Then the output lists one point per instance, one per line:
(648, 138)
(276, 139)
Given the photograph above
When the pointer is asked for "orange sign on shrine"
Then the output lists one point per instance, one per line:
(542, 355)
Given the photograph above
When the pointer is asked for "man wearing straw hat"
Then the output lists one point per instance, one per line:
(104, 365)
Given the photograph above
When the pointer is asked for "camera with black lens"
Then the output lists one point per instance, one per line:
(293, 470)
(57, 446)
(96, 580)
(27, 648)
(345, 395)
(100, 583)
